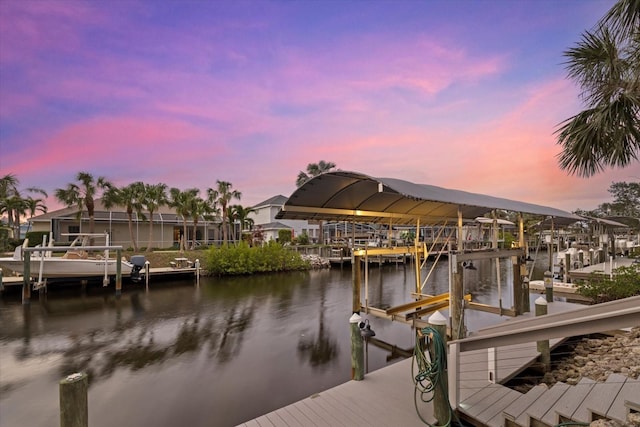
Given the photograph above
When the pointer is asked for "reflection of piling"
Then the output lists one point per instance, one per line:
(74, 408)
(357, 349)
(543, 346)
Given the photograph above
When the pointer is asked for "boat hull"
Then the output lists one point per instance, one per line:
(67, 268)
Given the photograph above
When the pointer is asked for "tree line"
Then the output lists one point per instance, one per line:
(140, 198)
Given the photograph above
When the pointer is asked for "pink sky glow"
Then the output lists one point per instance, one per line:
(459, 94)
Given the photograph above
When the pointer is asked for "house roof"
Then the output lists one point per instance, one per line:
(116, 213)
(278, 200)
(343, 195)
(274, 226)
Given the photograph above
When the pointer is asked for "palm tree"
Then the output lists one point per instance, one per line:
(8, 189)
(221, 196)
(606, 64)
(199, 208)
(83, 195)
(34, 206)
(182, 202)
(242, 215)
(131, 197)
(14, 205)
(313, 170)
(155, 195)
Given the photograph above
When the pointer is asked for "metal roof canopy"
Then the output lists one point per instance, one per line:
(342, 196)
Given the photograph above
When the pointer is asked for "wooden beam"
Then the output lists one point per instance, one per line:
(491, 309)
(488, 254)
(420, 303)
(386, 251)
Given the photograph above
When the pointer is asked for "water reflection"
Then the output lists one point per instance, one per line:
(201, 356)
(320, 348)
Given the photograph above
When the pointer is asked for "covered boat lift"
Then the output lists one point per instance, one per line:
(356, 197)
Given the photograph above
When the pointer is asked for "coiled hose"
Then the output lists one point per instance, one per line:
(431, 373)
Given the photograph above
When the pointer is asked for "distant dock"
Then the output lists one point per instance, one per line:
(12, 283)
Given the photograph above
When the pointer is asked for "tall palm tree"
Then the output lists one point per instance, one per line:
(182, 202)
(313, 170)
(199, 208)
(8, 189)
(606, 64)
(155, 195)
(82, 195)
(131, 197)
(242, 215)
(14, 205)
(221, 196)
(33, 206)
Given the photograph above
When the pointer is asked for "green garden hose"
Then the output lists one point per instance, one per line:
(431, 373)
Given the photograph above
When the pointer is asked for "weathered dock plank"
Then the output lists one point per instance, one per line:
(519, 406)
(630, 391)
(569, 402)
(496, 408)
(600, 398)
(541, 406)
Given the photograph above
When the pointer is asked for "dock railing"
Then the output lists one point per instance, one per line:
(603, 317)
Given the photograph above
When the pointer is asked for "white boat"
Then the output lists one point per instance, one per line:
(77, 262)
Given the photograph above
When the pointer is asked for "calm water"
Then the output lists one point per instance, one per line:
(214, 355)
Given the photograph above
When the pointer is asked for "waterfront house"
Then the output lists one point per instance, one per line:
(167, 226)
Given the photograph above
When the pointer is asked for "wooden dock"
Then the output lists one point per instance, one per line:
(386, 397)
(13, 282)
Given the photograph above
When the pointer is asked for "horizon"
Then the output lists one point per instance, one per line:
(462, 95)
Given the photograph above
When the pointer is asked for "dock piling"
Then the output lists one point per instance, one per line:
(74, 408)
(357, 349)
(543, 346)
(441, 408)
(118, 272)
(26, 283)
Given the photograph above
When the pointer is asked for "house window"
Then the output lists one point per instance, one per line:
(73, 229)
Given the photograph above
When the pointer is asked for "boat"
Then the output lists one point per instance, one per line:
(78, 262)
(559, 287)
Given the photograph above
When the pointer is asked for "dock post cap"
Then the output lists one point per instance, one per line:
(74, 377)
(355, 318)
(437, 319)
(540, 301)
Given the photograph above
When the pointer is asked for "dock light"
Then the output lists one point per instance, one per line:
(365, 330)
(469, 265)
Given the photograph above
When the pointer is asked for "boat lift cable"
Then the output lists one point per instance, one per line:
(433, 244)
(435, 262)
(535, 257)
(431, 373)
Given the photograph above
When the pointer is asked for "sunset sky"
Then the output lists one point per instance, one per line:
(459, 94)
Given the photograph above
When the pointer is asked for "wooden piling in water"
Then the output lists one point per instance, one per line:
(441, 408)
(357, 349)
(543, 346)
(74, 407)
(458, 329)
(26, 283)
(356, 269)
(118, 272)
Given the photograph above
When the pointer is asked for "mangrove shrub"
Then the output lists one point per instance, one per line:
(243, 259)
(601, 288)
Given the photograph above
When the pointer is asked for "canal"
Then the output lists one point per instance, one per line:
(216, 354)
